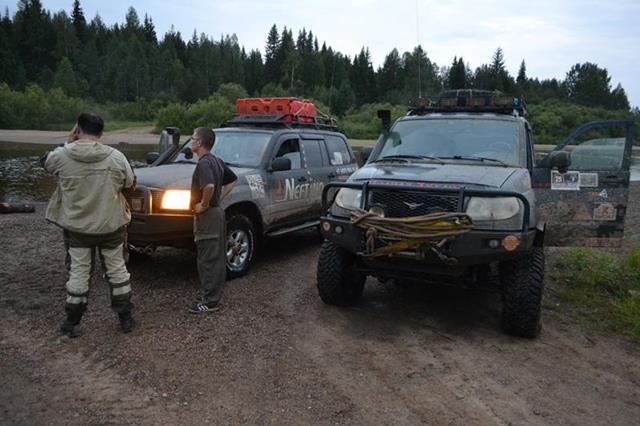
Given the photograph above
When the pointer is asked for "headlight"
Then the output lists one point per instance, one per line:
(348, 198)
(495, 213)
(176, 199)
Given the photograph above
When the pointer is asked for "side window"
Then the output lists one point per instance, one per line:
(338, 151)
(312, 154)
(291, 149)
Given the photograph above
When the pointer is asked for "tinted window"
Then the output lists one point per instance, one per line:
(338, 151)
(291, 149)
(312, 153)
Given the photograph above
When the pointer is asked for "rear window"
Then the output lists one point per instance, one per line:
(338, 151)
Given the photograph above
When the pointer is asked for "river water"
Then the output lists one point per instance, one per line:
(22, 178)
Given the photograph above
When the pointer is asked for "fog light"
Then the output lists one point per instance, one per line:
(510, 242)
(338, 229)
(326, 226)
(494, 244)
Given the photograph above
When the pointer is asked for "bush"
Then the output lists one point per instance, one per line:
(363, 123)
(210, 112)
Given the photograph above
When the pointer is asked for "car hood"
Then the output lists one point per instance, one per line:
(174, 176)
(469, 175)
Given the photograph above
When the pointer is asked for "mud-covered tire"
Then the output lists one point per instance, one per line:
(522, 282)
(240, 244)
(337, 280)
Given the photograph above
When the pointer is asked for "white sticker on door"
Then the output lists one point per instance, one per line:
(256, 185)
(589, 180)
(569, 181)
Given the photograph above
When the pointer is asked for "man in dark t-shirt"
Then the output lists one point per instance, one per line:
(212, 180)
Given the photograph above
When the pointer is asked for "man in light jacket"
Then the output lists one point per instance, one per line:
(89, 206)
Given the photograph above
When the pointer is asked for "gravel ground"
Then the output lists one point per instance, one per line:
(276, 355)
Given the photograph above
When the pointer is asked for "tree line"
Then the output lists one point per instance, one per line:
(129, 62)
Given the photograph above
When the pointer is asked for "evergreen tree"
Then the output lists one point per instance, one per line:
(588, 84)
(457, 77)
(618, 99)
(149, 30)
(271, 65)
(34, 38)
(79, 23)
(522, 75)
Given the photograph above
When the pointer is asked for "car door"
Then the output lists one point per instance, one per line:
(320, 172)
(586, 204)
(288, 189)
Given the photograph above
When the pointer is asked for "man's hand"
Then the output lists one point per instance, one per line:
(199, 208)
(74, 135)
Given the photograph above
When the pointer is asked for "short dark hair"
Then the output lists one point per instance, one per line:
(90, 123)
(206, 136)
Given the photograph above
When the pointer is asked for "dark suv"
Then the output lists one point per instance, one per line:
(472, 152)
(282, 168)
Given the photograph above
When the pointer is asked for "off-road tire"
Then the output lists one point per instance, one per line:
(337, 280)
(239, 222)
(522, 282)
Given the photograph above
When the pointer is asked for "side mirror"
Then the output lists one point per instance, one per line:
(560, 160)
(385, 116)
(281, 164)
(188, 154)
(175, 134)
(365, 153)
(152, 157)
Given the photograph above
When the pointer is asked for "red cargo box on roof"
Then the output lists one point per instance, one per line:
(290, 109)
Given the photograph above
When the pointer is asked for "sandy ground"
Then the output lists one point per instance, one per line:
(276, 355)
(134, 135)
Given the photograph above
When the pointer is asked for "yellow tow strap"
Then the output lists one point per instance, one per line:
(432, 229)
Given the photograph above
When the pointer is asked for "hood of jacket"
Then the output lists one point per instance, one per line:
(87, 151)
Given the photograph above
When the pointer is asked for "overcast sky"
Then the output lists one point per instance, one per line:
(550, 36)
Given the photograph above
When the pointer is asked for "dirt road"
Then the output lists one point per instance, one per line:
(276, 355)
(134, 135)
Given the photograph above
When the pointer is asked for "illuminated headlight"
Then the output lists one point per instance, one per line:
(348, 198)
(495, 213)
(176, 199)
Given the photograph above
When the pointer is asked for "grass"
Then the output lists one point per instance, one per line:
(602, 288)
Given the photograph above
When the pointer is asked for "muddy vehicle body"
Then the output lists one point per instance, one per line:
(281, 169)
(473, 153)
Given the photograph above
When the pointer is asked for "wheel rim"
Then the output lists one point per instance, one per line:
(238, 248)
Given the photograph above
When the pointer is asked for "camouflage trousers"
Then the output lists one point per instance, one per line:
(82, 251)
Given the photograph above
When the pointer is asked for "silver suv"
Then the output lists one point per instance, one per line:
(282, 169)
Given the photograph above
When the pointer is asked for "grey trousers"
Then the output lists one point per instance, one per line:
(210, 237)
(81, 252)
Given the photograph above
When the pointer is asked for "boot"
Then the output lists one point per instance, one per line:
(126, 322)
(68, 326)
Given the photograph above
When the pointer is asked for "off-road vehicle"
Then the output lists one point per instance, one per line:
(469, 156)
(283, 159)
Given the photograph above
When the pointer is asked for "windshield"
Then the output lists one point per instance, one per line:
(455, 140)
(241, 149)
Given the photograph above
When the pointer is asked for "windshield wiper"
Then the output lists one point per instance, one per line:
(482, 159)
(407, 157)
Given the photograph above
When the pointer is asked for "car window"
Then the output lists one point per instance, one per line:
(243, 149)
(338, 151)
(312, 153)
(448, 138)
(291, 149)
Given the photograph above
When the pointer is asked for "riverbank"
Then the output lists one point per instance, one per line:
(131, 135)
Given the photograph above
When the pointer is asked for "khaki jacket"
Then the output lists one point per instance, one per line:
(91, 177)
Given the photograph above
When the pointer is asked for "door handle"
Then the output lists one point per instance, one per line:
(302, 179)
(331, 175)
(612, 179)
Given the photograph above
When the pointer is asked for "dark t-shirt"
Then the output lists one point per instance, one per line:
(210, 169)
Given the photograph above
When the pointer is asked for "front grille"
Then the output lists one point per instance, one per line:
(404, 204)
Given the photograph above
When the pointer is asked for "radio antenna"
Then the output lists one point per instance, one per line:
(418, 51)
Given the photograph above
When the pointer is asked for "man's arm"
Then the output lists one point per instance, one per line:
(226, 189)
(207, 193)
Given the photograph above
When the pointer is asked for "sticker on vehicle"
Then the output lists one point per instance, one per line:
(569, 181)
(589, 180)
(256, 185)
(604, 211)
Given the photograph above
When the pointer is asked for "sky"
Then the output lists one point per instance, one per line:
(550, 36)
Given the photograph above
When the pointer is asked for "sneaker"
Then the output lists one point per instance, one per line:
(126, 323)
(68, 328)
(202, 308)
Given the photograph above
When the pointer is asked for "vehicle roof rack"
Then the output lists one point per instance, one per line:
(468, 100)
(290, 121)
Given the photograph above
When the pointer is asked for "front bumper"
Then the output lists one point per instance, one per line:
(473, 248)
(160, 230)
